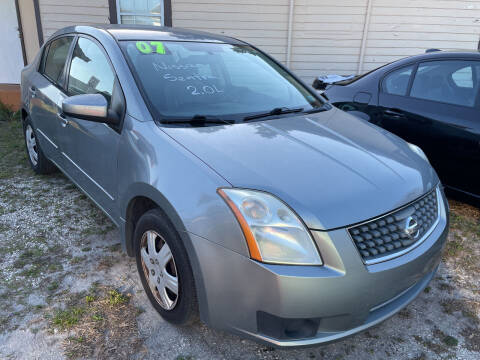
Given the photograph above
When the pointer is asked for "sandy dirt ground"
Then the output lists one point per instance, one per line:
(68, 291)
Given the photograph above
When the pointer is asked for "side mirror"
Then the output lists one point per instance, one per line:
(92, 107)
(319, 84)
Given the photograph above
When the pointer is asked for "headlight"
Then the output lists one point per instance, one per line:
(418, 151)
(273, 232)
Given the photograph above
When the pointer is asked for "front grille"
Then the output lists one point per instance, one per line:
(387, 236)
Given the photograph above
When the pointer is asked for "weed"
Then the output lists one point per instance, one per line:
(116, 298)
(97, 317)
(53, 286)
(453, 248)
(7, 114)
(27, 257)
(65, 319)
(450, 341)
(33, 271)
(77, 259)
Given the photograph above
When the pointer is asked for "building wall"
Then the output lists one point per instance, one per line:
(327, 36)
(407, 27)
(263, 24)
(56, 14)
(29, 28)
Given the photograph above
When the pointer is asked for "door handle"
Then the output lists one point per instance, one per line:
(63, 119)
(33, 91)
(394, 113)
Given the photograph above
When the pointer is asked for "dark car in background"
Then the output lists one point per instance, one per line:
(431, 100)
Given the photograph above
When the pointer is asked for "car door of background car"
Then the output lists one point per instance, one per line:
(91, 147)
(46, 92)
(439, 112)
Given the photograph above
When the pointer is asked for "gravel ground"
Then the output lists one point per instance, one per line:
(67, 290)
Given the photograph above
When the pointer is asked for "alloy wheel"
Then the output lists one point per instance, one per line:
(159, 269)
(31, 145)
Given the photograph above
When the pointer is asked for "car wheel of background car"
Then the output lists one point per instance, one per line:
(164, 268)
(39, 163)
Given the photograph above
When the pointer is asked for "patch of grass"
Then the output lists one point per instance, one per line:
(78, 339)
(13, 156)
(54, 267)
(99, 323)
(427, 289)
(65, 319)
(77, 259)
(453, 248)
(450, 341)
(53, 286)
(33, 271)
(436, 348)
(87, 248)
(7, 113)
(116, 298)
(97, 317)
(115, 247)
(462, 221)
(27, 257)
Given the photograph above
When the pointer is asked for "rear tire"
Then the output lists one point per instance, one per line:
(164, 268)
(38, 161)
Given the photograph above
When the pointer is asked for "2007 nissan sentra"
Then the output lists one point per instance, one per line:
(244, 196)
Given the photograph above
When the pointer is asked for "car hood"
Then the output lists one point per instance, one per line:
(332, 168)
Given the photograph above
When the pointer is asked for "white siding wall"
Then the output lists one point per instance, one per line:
(56, 14)
(408, 27)
(263, 24)
(327, 37)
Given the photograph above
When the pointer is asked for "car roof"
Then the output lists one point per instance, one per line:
(445, 54)
(149, 32)
(432, 55)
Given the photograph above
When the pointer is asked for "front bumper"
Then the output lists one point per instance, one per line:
(279, 304)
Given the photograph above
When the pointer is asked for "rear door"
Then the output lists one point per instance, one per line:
(439, 113)
(46, 93)
(90, 148)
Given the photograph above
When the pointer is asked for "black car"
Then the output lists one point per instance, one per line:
(431, 100)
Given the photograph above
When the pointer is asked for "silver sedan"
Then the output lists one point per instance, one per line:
(245, 197)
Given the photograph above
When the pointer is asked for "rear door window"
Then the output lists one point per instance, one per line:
(56, 59)
(447, 81)
(396, 82)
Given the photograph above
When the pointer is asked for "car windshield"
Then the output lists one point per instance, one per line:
(186, 79)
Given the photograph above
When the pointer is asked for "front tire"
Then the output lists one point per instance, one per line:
(164, 268)
(38, 161)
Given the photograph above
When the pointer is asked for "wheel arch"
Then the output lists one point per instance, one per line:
(144, 197)
(24, 114)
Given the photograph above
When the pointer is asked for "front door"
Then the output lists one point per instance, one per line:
(11, 61)
(90, 148)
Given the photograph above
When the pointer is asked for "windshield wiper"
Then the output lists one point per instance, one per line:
(275, 111)
(198, 120)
